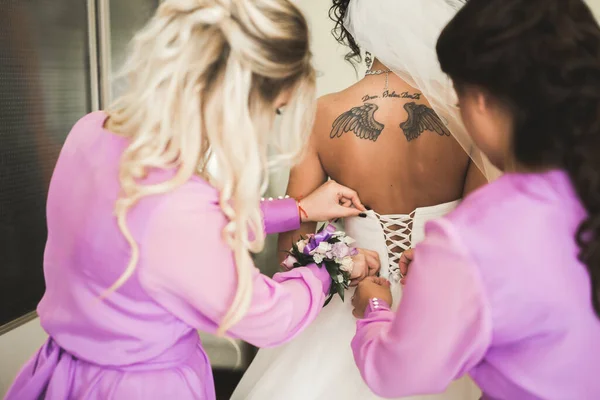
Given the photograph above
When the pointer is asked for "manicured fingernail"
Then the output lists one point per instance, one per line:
(362, 215)
(368, 208)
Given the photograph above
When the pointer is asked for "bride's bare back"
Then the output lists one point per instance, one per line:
(388, 145)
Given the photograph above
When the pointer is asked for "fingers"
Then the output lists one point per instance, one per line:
(355, 281)
(349, 211)
(355, 304)
(349, 195)
(378, 280)
(405, 260)
(359, 271)
(346, 203)
(358, 277)
(357, 203)
(354, 299)
(369, 288)
(373, 263)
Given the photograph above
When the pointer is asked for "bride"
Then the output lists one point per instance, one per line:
(396, 138)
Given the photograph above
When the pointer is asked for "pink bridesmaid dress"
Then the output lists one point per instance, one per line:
(496, 291)
(142, 342)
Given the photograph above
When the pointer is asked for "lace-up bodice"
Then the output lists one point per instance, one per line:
(390, 235)
(397, 230)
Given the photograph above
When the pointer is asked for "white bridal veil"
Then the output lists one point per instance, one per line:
(402, 34)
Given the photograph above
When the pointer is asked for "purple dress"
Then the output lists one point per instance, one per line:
(496, 291)
(142, 341)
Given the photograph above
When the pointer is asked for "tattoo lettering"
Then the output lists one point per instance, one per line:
(420, 119)
(360, 120)
(393, 94)
(403, 95)
(387, 94)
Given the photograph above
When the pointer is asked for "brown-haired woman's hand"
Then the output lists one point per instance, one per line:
(330, 201)
(405, 260)
(370, 288)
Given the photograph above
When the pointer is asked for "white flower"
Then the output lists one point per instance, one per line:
(323, 248)
(340, 278)
(347, 264)
(301, 245)
(348, 240)
(318, 258)
(289, 262)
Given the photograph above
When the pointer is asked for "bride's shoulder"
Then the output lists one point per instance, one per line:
(333, 101)
(330, 106)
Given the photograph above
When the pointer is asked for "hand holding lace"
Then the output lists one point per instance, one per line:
(405, 259)
(371, 288)
(330, 201)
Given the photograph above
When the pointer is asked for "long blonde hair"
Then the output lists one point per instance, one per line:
(203, 76)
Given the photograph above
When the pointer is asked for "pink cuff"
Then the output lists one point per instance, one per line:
(323, 276)
(280, 215)
(375, 305)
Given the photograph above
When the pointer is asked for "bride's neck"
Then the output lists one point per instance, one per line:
(393, 79)
(378, 65)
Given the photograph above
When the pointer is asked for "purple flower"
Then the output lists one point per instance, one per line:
(340, 250)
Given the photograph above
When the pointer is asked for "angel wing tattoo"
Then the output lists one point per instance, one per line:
(422, 118)
(360, 120)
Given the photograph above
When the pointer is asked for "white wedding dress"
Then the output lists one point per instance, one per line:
(318, 364)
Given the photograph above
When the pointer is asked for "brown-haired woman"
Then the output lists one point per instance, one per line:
(505, 288)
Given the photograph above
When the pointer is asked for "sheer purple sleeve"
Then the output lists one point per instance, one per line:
(187, 267)
(441, 329)
(280, 215)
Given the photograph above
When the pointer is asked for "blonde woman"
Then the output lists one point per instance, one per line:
(144, 246)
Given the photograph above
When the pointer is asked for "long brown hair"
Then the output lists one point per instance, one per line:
(542, 59)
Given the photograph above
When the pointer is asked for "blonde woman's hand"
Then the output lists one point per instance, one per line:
(330, 201)
(371, 287)
(366, 263)
(405, 260)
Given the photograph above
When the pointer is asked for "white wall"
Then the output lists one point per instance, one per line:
(335, 73)
(595, 6)
(16, 347)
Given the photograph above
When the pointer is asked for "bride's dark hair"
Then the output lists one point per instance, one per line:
(542, 59)
(337, 13)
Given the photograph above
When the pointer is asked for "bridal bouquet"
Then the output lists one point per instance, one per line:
(327, 248)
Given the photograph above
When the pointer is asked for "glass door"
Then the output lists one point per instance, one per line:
(45, 88)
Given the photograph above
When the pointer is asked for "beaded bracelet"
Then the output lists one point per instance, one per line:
(271, 198)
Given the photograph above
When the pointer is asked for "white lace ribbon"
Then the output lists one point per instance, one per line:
(397, 230)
